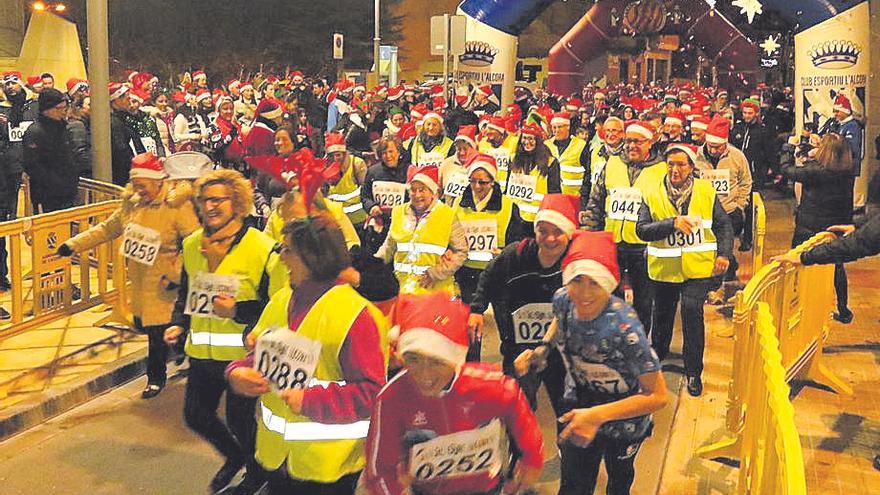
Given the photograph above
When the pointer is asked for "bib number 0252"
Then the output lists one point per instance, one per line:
(456, 454)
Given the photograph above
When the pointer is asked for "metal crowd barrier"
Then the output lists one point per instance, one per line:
(771, 455)
(800, 301)
(46, 293)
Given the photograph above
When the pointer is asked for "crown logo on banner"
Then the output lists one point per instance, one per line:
(837, 54)
(478, 54)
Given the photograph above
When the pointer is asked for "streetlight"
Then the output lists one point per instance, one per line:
(376, 41)
(60, 7)
(38, 6)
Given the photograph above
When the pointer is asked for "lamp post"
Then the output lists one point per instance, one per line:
(376, 41)
(99, 78)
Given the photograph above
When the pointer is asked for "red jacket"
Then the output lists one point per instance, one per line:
(480, 393)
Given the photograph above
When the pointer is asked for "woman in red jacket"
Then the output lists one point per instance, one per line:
(443, 426)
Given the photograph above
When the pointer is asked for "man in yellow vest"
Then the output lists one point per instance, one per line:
(499, 144)
(611, 144)
(614, 206)
(425, 241)
(453, 171)
(572, 153)
(347, 190)
(431, 146)
(224, 286)
(690, 241)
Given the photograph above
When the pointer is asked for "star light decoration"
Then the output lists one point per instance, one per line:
(711, 3)
(770, 45)
(749, 7)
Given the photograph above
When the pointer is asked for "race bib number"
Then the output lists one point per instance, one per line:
(625, 203)
(600, 378)
(286, 359)
(17, 133)
(531, 322)
(719, 178)
(141, 244)
(456, 185)
(431, 158)
(483, 450)
(522, 187)
(481, 235)
(595, 171)
(501, 156)
(148, 143)
(680, 239)
(388, 193)
(204, 287)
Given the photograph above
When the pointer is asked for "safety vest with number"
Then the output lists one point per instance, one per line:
(315, 451)
(503, 156)
(529, 206)
(482, 240)
(621, 207)
(420, 157)
(680, 257)
(221, 339)
(420, 246)
(597, 165)
(571, 170)
(348, 193)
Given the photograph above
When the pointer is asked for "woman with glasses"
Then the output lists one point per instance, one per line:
(534, 172)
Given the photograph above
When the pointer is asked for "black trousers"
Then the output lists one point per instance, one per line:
(692, 294)
(4, 255)
(553, 378)
(748, 214)
(157, 355)
(737, 221)
(281, 484)
(841, 285)
(633, 263)
(580, 466)
(467, 279)
(205, 386)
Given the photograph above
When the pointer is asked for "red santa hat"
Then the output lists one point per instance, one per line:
(674, 118)
(220, 99)
(434, 325)
(417, 112)
(140, 79)
(395, 93)
(35, 82)
(432, 115)
(497, 123)
(594, 255)
(718, 130)
(485, 162)
(532, 129)
(561, 118)
(232, 84)
(842, 104)
(560, 210)
(642, 128)
(688, 149)
(12, 76)
(485, 90)
(75, 84)
(202, 94)
(269, 109)
(138, 95)
(468, 134)
(147, 166)
(701, 122)
(428, 175)
(247, 86)
(334, 142)
(199, 74)
(131, 75)
(117, 90)
(296, 76)
(574, 104)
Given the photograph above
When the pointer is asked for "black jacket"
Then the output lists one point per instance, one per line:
(826, 197)
(11, 151)
(865, 241)
(48, 160)
(381, 172)
(758, 143)
(120, 151)
(80, 140)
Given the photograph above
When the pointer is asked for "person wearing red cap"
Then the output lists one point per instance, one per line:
(673, 127)
(614, 206)
(347, 190)
(425, 241)
(615, 376)
(496, 142)
(698, 126)
(453, 170)
(246, 104)
(851, 129)
(485, 101)
(534, 172)
(431, 146)
(190, 128)
(727, 168)
(153, 224)
(412, 414)
(690, 242)
(572, 153)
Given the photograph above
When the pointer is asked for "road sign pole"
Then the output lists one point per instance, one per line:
(445, 57)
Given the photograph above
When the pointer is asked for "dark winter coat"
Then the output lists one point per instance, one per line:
(120, 151)
(49, 161)
(865, 241)
(826, 197)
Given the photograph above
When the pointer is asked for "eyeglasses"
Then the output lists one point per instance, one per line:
(679, 164)
(477, 182)
(215, 200)
(635, 141)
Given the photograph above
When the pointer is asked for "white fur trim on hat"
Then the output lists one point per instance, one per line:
(560, 121)
(481, 165)
(557, 219)
(466, 139)
(593, 269)
(119, 93)
(640, 129)
(145, 173)
(432, 115)
(841, 108)
(424, 179)
(432, 343)
(673, 120)
(699, 125)
(712, 139)
(490, 125)
(333, 148)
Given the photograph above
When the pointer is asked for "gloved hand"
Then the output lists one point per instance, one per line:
(64, 250)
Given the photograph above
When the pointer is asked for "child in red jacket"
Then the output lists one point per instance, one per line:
(443, 426)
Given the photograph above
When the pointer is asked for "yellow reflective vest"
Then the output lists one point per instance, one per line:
(503, 155)
(571, 170)
(597, 165)
(420, 158)
(347, 192)
(680, 257)
(420, 246)
(528, 209)
(315, 451)
(482, 240)
(621, 216)
(221, 339)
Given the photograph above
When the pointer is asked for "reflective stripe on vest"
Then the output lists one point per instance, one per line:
(348, 192)
(480, 259)
(419, 247)
(503, 155)
(571, 170)
(216, 339)
(419, 157)
(345, 197)
(617, 176)
(305, 431)
(409, 268)
(678, 263)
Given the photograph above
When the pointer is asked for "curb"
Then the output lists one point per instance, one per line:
(64, 397)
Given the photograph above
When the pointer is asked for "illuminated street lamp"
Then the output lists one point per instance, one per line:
(60, 7)
(38, 6)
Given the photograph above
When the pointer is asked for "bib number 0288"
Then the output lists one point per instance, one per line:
(280, 373)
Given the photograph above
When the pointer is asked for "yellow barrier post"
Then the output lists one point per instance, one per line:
(759, 233)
